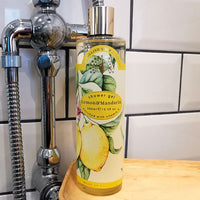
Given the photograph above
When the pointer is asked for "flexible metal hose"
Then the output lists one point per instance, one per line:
(16, 146)
(98, 2)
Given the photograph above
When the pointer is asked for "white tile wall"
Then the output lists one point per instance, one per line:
(122, 18)
(165, 137)
(12, 10)
(5, 170)
(166, 25)
(190, 92)
(152, 82)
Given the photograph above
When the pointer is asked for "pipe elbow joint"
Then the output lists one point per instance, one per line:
(12, 33)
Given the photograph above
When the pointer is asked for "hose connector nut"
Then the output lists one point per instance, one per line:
(10, 61)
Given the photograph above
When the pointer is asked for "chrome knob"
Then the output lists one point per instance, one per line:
(50, 192)
(48, 31)
(55, 3)
(44, 62)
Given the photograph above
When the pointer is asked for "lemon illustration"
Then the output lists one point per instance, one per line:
(95, 147)
(78, 142)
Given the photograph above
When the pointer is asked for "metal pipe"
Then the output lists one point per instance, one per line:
(75, 32)
(45, 176)
(48, 112)
(50, 32)
(13, 32)
(48, 65)
(98, 2)
(48, 35)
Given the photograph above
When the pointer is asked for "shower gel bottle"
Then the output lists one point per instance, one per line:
(100, 93)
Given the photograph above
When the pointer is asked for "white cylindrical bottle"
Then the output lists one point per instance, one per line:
(100, 96)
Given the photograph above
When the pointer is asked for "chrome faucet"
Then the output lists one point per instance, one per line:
(48, 35)
(46, 32)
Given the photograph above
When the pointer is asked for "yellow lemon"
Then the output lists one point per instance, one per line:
(78, 142)
(95, 147)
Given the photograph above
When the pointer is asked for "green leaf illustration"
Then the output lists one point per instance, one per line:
(92, 75)
(111, 146)
(85, 91)
(77, 163)
(112, 60)
(77, 78)
(111, 126)
(89, 66)
(84, 171)
(109, 83)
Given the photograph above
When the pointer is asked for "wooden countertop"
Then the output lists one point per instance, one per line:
(145, 180)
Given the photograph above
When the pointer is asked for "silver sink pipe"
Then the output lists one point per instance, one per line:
(11, 61)
(46, 32)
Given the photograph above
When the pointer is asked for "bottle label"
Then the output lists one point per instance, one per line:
(100, 123)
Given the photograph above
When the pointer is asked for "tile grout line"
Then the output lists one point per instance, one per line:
(6, 193)
(126, 140)
(163, 113)
(128, 49)
(131, 24)
(126, 115)
(67, 84)
(162, 51)
(66, 48)
(180, 83)
(25, 121)
(10, 192)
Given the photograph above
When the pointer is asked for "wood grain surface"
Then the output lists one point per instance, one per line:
(145, 180)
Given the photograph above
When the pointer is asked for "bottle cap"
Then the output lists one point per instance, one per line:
(101, 20)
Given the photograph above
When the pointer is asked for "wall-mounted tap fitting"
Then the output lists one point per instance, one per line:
(45, 176)
(48, 35)
(48, 27)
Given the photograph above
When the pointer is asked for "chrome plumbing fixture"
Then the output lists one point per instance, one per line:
(98, 2)
(45, 176)
(46, 32)
(50, 32)
(11, 61)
